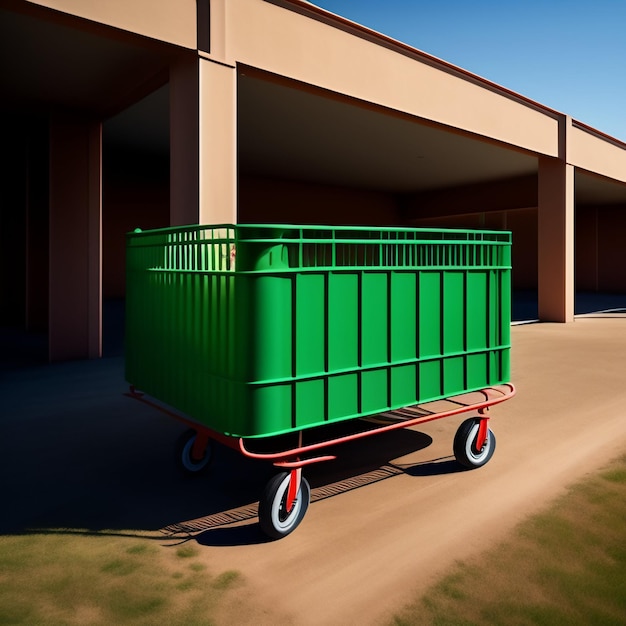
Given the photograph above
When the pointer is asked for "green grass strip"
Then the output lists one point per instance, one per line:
(565, 566)
(76, 578)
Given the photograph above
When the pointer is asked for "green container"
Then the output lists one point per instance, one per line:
(257, 330)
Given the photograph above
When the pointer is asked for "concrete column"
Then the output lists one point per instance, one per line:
(75, 248)
(556, 240)
(203, 144)
(218, 143)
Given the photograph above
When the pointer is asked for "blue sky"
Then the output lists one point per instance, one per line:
(569, 55)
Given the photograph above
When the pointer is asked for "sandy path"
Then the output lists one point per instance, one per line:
(360, 555)
(77, 454)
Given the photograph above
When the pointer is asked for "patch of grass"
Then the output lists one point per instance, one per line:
(20, 612)
(566, 566)
(226, 579)
(79, 578)
(450, 585)
(197, 567)
(119, 567)
(186, 585)
(615, 476)
(186, 552)
(125, 604)
(525, 613)
(141, 548)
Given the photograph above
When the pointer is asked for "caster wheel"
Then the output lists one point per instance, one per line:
(274, 519)
(464, 445)
(188, 465)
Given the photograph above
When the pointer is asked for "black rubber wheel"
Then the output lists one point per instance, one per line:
(186, 464)
(274, 520)
(464, 445)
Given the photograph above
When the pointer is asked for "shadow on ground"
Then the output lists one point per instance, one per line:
(77, 455)
(525, 304)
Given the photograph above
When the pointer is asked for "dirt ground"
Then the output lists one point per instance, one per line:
(360, 555)
(76, 454)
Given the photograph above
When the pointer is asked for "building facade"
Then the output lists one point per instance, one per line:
(130, 113)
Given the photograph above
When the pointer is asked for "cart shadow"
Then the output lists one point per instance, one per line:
(357, 464)
(436, 467)
(77, 457)
(328, 480)
(92, 470)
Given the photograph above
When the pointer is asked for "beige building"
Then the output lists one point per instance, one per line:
(132, 113)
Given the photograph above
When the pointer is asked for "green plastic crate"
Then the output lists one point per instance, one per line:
(257, 330)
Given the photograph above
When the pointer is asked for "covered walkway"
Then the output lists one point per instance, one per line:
(271, 111)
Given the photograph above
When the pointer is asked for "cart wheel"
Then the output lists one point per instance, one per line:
(187, 464)
(465, 444)
(274, 519)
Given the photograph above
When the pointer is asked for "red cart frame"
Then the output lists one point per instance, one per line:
(286, 497)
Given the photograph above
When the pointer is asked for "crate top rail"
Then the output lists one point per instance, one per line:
(277, 248)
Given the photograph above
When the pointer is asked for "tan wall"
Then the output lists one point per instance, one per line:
(611, 266)
(586, 249)
(264, 201)
(74, 313)
(521, 222)
(515, 193)
(523, 225)
(128, 205)
(278, 40)
(184, 122)
(13, 225)
(173, 21)
(600, 249)
(136, 194)
(596, 154)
